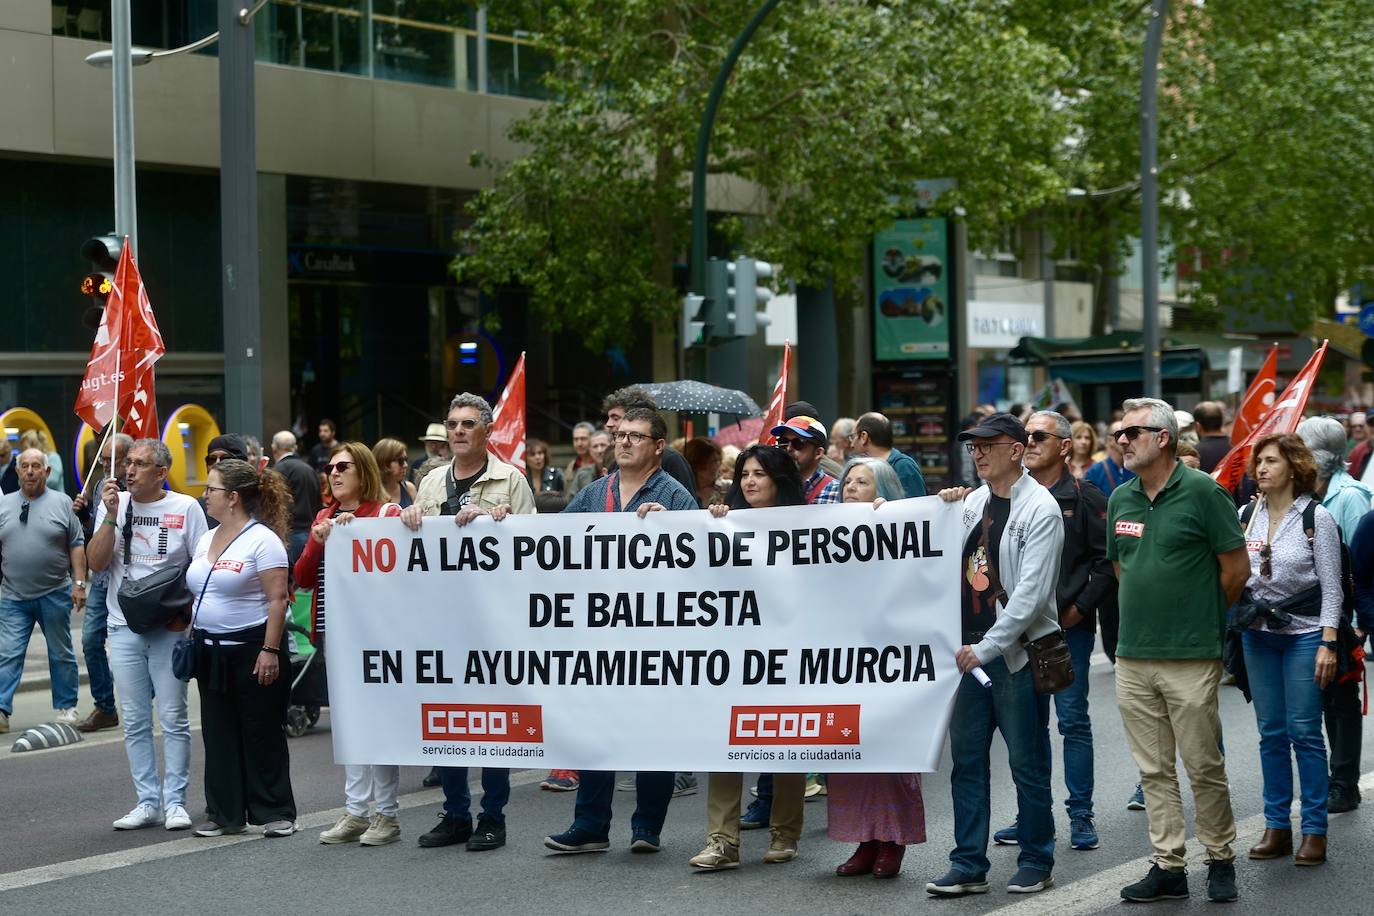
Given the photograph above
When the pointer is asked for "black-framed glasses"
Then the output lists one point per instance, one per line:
(983, 448)
(1131, 432)
(1266, 555)
(24, 514)
(208, 488)
(339, 467)
(1041, 435)
(632, 438)
(466, 423)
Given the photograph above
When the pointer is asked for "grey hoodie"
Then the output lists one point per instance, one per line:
(1029, 553)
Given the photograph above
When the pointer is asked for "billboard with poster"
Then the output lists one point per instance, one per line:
(911, 291)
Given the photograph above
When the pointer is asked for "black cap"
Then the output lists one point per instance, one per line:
(996, 425)
(231, 443)
(800, 409)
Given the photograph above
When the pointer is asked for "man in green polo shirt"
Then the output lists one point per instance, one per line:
(1180, 558)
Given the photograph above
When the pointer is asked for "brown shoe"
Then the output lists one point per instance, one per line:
(98, 720)
(1312, 851)
(1274, 844)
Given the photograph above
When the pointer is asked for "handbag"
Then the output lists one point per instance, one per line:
(1048, 658)
(184, 651)
(156, 599)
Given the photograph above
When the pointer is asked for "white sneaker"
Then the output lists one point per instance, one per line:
(177, 818)
(67, 717)
(142, 816)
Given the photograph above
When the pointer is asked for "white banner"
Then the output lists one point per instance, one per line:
(806, 639)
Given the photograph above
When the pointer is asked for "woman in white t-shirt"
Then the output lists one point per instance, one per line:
(238, 573)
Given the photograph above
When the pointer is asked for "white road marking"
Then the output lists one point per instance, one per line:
(186, 844)
(1102, 891)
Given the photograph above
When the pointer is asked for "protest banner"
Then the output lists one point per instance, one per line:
(816, 638)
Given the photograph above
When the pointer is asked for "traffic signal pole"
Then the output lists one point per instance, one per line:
(122, 70)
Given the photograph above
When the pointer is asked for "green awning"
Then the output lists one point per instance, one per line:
(1126, 367)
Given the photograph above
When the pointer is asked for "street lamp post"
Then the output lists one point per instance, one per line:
(1149, 198)
(122, 71)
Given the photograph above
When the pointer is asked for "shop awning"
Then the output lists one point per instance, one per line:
(1100, 370)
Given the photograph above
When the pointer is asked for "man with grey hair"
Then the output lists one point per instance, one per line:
(1348, 501)
(44, 574)
(305, 492)
(841, 432)
(1181, 562)
(138, 532)
(582, 449)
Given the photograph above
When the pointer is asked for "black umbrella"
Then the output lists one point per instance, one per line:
(689, 396)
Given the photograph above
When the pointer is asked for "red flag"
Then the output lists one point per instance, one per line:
(126, 347)
(1259, 397)
(1283, 418)
(773, 416)
(507, 440)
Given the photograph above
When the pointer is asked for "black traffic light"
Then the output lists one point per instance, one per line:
(102, 251)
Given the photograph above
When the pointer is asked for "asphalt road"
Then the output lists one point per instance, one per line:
(59, 855)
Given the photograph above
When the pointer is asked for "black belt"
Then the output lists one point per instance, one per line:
(256, 633)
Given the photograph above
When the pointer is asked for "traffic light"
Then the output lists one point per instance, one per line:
(747, 295)
(103, 253)
(715, 312)
(693, 328)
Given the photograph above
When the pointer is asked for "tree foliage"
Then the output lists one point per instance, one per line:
(836, 108)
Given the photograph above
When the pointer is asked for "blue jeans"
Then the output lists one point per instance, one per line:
(93, 643)
(295, 546)
(458, 797)
(653, 792)
(53, 613)
(1071, 710)
(1012, 707)
(142, 664)
(1288, 711)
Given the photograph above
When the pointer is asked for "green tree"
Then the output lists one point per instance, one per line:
(834, 111)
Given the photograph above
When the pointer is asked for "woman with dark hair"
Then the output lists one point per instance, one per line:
(355, 482)
(543, 477)
(765, 476)
(704, 456)
(238, 573)
(1289, 613)
(393, 462)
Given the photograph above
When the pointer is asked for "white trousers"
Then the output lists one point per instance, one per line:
(378, 784)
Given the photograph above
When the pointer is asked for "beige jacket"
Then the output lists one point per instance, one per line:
(500, 484)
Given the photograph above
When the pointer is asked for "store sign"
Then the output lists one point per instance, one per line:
(911, 290)
(1001, 325)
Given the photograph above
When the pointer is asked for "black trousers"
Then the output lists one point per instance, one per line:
(247, 764)
(1343, 713)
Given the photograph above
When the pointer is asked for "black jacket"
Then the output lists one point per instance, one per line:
(305, 490)
(1086, 577)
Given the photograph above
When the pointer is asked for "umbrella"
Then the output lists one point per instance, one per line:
(689, 396)
(740, 434)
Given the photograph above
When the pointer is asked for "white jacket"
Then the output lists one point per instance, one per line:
(1028, 567)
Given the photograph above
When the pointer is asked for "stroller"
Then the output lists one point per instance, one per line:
(309, 686)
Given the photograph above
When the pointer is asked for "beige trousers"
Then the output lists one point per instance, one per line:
(722, 805)
(1169, 706)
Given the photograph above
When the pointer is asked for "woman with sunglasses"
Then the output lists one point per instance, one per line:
(394, 465)
(882, 812)
(238, 572)
(1084, 448)
(1289, 613)
(355, 482)
(765, 476)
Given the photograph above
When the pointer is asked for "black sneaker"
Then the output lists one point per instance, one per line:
(1339, 800)
(488, 835)
(575, 839)
(448, 831)
(1159, 884)
(1221, 882)
(957, 884)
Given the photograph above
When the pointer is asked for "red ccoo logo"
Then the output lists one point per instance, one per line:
(794, 724)
(474, 722)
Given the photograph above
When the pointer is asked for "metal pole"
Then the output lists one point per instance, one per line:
(122, 69)
(482, 50)
(1149, 198)
(708, 121)
(238, 193)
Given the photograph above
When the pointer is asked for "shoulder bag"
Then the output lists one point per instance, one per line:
(156, 599)
(1048, 658)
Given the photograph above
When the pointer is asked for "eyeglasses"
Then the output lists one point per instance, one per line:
(1131, 432)
(24, 514)
(983, 448)
(339, 467)
(1040, 435)
(140, 463)
(795, 443)
(466, 423)
(632, 438)
(208, 488)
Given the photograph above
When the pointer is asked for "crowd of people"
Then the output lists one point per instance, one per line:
(1069, 528)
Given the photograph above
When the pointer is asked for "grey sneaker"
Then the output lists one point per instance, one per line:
(278, 828)
(626, 785)
(685, 784)
(347, 829)
(718, 854)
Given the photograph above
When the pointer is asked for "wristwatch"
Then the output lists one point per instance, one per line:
(1329, 644)
(79, 583)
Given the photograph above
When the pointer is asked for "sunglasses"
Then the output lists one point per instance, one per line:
(24, 514)
(1266, 570)
(212, 460)
(467, 423)
(339, 467)
(1131, 432)
(1040, 435)
(794, 443)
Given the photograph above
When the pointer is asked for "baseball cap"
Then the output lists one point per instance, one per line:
(434, 432)
(996, 424)
(806, 427)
